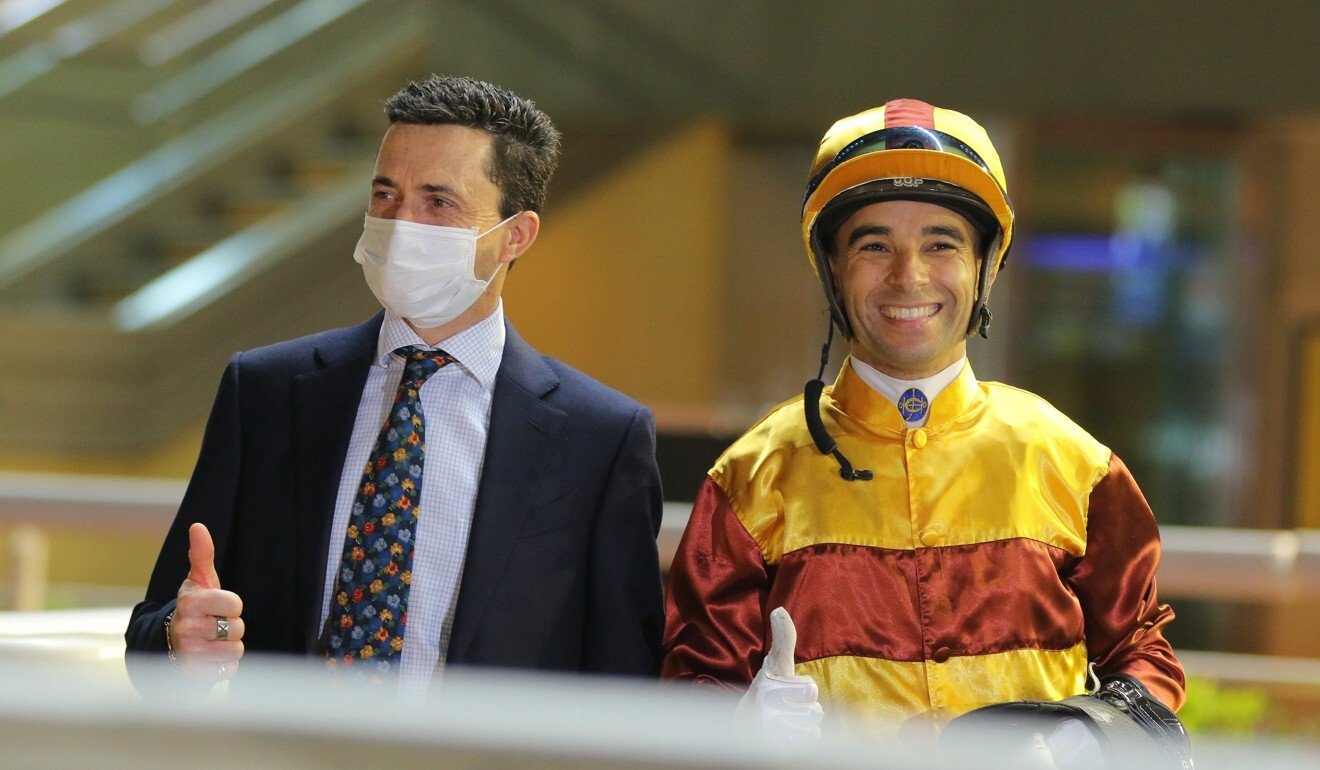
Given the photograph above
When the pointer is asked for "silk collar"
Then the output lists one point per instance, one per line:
(859, 401)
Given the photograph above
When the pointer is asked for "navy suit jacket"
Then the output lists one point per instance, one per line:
(561, 570)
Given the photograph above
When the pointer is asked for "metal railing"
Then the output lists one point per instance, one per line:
(71, 39)
(207, 276)
(240, 56)
(201, 24)
(1265, 567)
(60, 232)
(16, 13)
(1259, 566)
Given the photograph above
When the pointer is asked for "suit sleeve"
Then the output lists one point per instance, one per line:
(714, 610)
(625, 611)
(210, 499)
(1115, 583)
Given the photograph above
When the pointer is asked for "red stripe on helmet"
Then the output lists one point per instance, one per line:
(909, 112)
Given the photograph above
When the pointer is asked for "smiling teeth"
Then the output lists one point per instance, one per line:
(909, 312)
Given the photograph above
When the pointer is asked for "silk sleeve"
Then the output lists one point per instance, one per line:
(714, 624)
(1115, 583)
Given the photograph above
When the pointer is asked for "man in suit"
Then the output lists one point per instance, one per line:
(424, 488)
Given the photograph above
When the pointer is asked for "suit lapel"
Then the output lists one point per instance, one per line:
(325, 402)
(523, 431)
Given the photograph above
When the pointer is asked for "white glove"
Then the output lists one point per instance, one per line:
(1072, 745)
(1069, 745)
(784, 704)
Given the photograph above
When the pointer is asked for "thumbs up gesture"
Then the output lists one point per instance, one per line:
(205, 630)
(784, 703)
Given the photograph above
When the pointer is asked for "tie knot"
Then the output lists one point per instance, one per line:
(420, 363)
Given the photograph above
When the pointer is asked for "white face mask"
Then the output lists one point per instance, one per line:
(424, 273)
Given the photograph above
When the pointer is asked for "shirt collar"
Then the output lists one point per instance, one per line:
(478, 349)
(892, 387)
(859, 401)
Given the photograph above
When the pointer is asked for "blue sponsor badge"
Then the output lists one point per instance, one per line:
(913, 405)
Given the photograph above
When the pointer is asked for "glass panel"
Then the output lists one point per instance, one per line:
(1124, 305)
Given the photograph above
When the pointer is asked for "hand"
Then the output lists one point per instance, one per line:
(1033, 735)
(202, 609)
(786, 705)
(1069, 745)
(1072, 745)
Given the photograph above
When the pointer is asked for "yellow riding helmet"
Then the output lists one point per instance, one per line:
(908, 150)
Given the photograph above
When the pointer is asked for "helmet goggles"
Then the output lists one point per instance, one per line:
(898, 138)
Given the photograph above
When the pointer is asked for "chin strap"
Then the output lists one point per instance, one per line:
(979, 323)
(816, 426)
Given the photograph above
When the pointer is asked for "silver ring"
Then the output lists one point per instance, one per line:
(222, 670)
(221, 628)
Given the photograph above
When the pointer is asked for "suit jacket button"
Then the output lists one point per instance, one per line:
(941, 655)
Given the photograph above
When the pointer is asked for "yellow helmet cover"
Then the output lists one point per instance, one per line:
(908, 149)
(911, 140)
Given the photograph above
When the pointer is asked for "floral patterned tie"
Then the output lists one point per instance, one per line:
(369, 606)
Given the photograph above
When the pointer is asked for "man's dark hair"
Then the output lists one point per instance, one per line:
(524, 146)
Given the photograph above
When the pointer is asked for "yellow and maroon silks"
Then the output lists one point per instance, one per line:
(995, 553)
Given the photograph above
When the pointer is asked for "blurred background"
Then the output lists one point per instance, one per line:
(186, 178)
